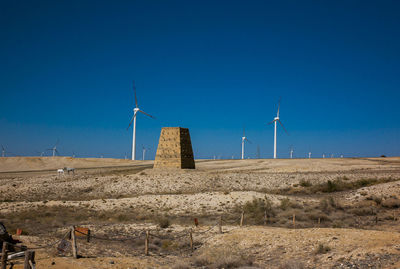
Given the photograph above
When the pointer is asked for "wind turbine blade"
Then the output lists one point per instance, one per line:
(146, 114)
(134, 90)
(243, 132)
(279, 105)
(271, 122)
(130, 122)
(248, 141)
(283, 127)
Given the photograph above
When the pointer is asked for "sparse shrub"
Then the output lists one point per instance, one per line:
(391, 203)
(325, 205)
(163, 222)
(285, 204)
(167, 244)
(337, 224)
(256, 209)
(181, 265)
(122, 218)
(332, 186)
(305, 183)
(222, 258)
(294, 264)
(362, 211)
(322, 249)
(318, 215)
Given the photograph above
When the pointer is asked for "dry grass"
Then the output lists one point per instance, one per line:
(222, 258)
(340, 184)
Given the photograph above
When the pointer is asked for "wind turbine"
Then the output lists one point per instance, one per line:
(243, 140)
(135, 111)
(276, 119)
(40, 152)
(54, 149)
(3, 151)
(309, 155)
(144, 151)
(291, 152)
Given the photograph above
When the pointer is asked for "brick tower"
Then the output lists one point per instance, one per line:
(174, 149)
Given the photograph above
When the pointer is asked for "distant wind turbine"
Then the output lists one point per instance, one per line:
(135, 111)
(291, 152)
(54, 149)
(144, 149)
(276, 119)
(3, 151)
(309, 155)
(243, 141)
(40, 153)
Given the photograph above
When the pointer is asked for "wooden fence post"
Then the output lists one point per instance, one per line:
(220, 224)
(294, 221)
(146, 244)
(191, 239)
(88, 236)
(265, 217)
(4, 256)
(74, 246)
(29, 261)
(241, 219)
(319, 222)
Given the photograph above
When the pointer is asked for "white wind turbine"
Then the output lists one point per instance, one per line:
(54, 149)
(144, 149)
(3, 151)
(135, 111)
(276, 119)
(243, 140)
(291, 152)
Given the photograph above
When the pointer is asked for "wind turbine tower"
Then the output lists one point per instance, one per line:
(291, 153)
(244, 139)
(144, 149)
(54, 149)
(309, 155)
(135, 111)
(276, 119)
(3, 151)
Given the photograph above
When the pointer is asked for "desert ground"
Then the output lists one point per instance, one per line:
(297, 213)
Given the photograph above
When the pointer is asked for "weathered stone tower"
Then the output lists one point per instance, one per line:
(174, 149)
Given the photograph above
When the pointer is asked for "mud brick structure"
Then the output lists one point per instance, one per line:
(174, 149)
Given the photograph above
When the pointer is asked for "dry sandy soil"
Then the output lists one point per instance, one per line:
(346, 211)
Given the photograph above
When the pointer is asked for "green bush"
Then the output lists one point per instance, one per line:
(256, 209)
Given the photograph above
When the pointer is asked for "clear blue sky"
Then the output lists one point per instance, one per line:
(66, 71)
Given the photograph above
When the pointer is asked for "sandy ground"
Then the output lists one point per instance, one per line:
(213, 188)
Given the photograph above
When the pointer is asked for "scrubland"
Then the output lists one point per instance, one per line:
(346, 212)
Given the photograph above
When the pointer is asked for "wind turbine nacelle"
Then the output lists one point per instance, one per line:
(276, 118)
(136, 109)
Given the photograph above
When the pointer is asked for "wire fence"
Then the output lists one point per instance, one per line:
(68, 241)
